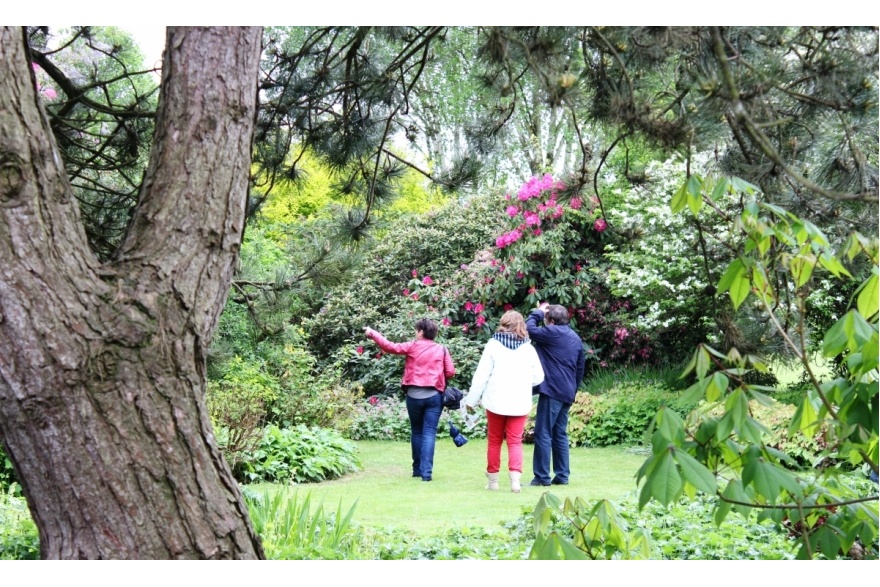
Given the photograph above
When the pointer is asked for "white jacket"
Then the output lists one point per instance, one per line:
(504, 379)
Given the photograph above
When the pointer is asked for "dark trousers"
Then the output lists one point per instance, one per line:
(551, 440)
(424, 415)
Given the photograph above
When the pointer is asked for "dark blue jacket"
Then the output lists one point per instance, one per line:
(562, 356)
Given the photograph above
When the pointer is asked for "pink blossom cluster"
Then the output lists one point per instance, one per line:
(508, 238)
(549, 208)
(536, 186)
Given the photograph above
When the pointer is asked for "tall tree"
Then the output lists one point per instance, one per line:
(102, 364)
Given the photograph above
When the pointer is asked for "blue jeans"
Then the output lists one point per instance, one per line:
(424, 415)
(551, 439)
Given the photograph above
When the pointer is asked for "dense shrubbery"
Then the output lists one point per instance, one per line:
(621, 415)
(805, 450)
(385, 418)
(19, 539)
(297, 455)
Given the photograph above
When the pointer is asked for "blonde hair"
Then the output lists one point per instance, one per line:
(513, 322)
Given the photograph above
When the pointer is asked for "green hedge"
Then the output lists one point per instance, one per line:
(620, 415)
(300, 455)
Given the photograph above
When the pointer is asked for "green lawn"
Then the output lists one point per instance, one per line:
(387, 496)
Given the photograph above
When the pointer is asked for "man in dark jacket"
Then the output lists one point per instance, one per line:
(562, 357)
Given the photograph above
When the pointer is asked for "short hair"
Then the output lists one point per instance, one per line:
(557, 314)
(428, 328)
(512, 321)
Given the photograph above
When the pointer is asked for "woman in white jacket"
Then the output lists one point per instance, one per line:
(502, 383)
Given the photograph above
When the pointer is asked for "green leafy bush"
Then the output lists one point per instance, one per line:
(279, 382)
(19, 538)
(380, 418)
(298, 455)
(685, 530)
(386, 418)
(620, 415)
(776, 418)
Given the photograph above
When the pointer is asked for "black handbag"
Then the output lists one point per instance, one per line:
(452, 397)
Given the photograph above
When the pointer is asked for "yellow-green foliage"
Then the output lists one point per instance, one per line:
(308, 198)
(417, 196)
(312, 195)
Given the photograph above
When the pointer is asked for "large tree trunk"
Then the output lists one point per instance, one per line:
(102, 367)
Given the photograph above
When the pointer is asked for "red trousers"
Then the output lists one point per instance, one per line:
(504, 428)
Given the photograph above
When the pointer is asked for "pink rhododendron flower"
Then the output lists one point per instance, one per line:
(508, 307)
(446, 322)
(415, 296)
(374, 400)
(468, 306)
(520, 274)
(508, 238)
(575, 203)
(427, 280)
(535, 186)
(360, 350)
(415, 273)
(537, 232)
(50, 93)
(532, 289)
(577, 266)
(600, 225)
(532, 219)
(464, 328)
(478, 308)
(493, 262)
(406, 291)
(480, 321)
(512, 211)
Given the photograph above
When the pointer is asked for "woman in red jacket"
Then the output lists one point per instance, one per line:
(427, 367)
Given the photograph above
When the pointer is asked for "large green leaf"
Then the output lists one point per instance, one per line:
(769, 479)
(867, 302)
(696, 473)
(665, 481)
(802, 268)
(735, 268)
(833, 264)
(717, 386)
(679, 199)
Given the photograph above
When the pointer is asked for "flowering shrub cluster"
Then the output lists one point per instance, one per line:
(384, 417)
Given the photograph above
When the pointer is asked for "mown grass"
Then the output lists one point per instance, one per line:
(389, 497)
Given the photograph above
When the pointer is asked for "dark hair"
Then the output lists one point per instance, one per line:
(428, 328)
(557, 314)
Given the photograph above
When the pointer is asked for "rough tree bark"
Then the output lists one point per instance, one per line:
(102, 366)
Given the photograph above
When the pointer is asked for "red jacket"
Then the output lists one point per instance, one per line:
(428, 363)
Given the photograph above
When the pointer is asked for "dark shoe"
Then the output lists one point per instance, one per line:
(558, 482)
(537, 483)
(426, 478)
